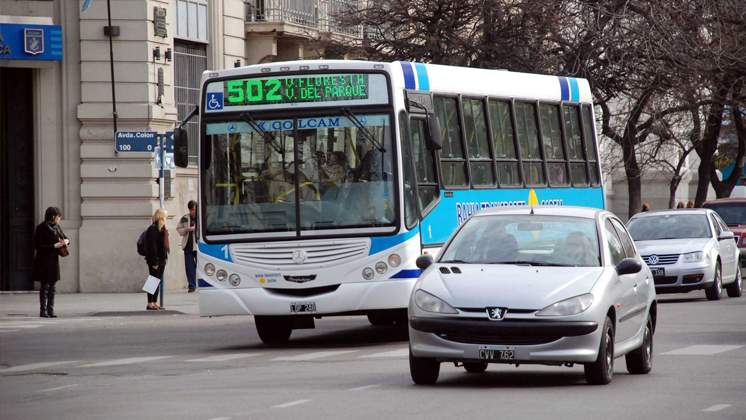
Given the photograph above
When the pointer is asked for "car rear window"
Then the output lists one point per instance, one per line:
(731, 213)
(669, 226)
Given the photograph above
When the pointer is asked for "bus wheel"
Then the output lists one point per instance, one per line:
(273, 330)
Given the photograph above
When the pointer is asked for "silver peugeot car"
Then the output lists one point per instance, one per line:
(688, 249)
(554, 286)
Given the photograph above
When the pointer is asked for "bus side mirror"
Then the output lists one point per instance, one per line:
(433, 128)
(181, 147)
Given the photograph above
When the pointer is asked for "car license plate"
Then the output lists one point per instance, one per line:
(658, 271)
(496, 354)
(306, 307)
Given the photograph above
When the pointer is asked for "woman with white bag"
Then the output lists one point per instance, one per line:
(156, 252)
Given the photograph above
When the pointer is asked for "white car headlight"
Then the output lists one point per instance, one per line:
(567, 307)
(693, 256)
(430, 303)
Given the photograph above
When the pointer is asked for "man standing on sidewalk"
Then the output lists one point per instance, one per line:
(186, 228)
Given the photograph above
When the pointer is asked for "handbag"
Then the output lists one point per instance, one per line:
(62, 251)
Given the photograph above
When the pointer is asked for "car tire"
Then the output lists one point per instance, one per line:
(601, 371)
(713, 292)
(424, 370)
(734, 289)
(475, 367)
(640, 361)
(273, 330)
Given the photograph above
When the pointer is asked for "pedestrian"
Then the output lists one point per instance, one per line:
(680, 205)
(690, 204)
(156, 252)
(49, 243)
(645, 207)
(186, 228)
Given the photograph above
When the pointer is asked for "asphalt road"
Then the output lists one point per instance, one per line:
(186, 367)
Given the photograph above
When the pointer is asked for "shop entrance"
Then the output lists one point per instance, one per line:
(16, 178)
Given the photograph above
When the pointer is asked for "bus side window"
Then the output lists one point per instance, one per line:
(554, 153)
(480, 158)
(528, 141)
(452, 157)
(578, 167)
(424, 164)
(502, 143)
(590, 144)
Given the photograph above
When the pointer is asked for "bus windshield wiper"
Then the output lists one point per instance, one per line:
(246, 116)
(363, 129)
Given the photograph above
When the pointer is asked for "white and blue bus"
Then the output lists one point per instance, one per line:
(321, 182)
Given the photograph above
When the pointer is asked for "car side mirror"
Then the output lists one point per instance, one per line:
(628, 266)
(433, 128)
(181, 147)
(726, 234)
(424, 261)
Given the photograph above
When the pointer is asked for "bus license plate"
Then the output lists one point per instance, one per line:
(297, 308)
(496, 355)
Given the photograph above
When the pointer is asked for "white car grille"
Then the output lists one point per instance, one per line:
(662, 259)
(299, 254)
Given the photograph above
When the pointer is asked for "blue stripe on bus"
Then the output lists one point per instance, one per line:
(574, 89)
(408, 75)
(564, 89)
(423, 81)
(407, 274)
(219, 251)
(382, 243)
(202, 283)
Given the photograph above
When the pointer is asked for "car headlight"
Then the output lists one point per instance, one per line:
(693, 256)
(430, 303)
(572, 306)
(209, 269)
(221, 275)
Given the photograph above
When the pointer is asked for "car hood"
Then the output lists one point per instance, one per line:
(511, 286)
(671, 246)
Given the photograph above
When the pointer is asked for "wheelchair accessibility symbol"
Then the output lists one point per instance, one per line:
(214, 101)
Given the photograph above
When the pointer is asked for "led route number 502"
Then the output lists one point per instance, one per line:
(243, 91)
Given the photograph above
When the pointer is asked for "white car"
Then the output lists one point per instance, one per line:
(554, 286)
(688, 249)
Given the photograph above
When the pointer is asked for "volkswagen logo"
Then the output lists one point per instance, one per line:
(653, 259)
(496, 314)
(299, 256)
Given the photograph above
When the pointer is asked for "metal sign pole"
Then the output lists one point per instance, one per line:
(162, 193)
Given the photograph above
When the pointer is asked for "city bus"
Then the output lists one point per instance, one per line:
(321, 182)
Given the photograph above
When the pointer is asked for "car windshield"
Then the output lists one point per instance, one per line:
(526, 240)
(302, 174)
(669, 226)
(733, 214)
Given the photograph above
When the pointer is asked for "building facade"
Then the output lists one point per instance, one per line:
(57, 120)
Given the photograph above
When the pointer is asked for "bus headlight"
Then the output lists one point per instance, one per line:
(209, 269)
(221, 275)
(368, 273)
(381, 267)
(394, 260)
(234, 280)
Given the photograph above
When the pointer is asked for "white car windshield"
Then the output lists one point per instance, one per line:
(526, 239)
(669, 226)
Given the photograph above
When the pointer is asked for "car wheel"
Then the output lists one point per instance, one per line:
(273, 329)
(424, 370)
(713, 292)
(601, 371)
(734, 289)
(640, 361)
(475, 367)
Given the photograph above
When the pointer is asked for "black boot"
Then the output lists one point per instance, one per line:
(50, 301)
(43, 300)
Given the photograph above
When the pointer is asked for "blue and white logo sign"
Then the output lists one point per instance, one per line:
(214, 101)
(33, 41)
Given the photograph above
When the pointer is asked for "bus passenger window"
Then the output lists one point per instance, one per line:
(578, 169)
(528, 140)
(452, 158)
(427, 185)
(502, 141)
(589, 121)
(551, 135)
(478, 145)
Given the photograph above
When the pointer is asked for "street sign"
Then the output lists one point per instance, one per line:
(135, 141)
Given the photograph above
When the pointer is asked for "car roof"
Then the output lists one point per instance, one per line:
(671, 211)
(726, 200)
(570, 211)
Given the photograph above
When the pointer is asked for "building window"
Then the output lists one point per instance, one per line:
(190, 60)
(191, 20)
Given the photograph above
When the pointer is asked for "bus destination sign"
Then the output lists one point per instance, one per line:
(296, 89)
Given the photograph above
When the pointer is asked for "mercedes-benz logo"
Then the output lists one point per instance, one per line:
(299, 256)
(653, 259)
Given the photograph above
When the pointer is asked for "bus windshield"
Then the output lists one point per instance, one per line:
(315, 173)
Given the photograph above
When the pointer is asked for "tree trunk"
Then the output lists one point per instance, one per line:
(632, 170)
(672, 187)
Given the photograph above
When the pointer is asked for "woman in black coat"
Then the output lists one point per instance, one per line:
(48, 240)
(156, 252)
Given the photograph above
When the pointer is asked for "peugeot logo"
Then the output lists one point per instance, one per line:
(496, 314)
(653, 259)
(299, 256)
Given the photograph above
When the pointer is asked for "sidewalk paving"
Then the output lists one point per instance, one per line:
(70, 305)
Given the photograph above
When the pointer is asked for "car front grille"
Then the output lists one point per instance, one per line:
(496, 339)
(663, 259)
(665, 279)
(296, 255)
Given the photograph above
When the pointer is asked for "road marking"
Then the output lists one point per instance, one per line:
(291, 403)
(363, 388)
(35, 366)
(312, 356)
(59, 388)
(716, 407)
(127, 361)
(22, 325)
(700, 350)
(393, 353)
(224, 357)
(221, 418)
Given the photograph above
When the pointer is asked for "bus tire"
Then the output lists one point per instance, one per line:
(273, 330)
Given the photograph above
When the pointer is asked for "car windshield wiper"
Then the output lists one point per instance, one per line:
(531, 263)
(246, 116)
(363, 129)
(455, 262)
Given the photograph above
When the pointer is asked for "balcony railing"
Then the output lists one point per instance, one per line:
(316, 15)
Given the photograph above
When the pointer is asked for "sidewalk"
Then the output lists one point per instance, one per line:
(70, 305)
